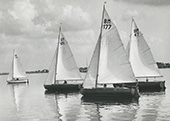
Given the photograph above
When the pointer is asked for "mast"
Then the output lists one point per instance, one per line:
(100, 36)
(57, 55)
(13, 64)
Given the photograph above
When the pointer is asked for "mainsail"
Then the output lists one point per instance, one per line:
(140, 56)
(17, 70)
(63, 66)
(109, 62)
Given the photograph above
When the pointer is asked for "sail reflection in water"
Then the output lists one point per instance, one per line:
(18, 91)
(65, 106)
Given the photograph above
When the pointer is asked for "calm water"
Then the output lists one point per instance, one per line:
(30, 103)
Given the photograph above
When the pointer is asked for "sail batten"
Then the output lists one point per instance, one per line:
(140, 55)
(109, 57)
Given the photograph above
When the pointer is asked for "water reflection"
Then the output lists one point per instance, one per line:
(110, 101)
(66, 106)
(107, 110)
(18, 93)
(150, 104)
(54, 106)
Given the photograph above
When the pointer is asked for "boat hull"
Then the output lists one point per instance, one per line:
(156, 86)
(17, 81)
(62, 87)
(115, 93)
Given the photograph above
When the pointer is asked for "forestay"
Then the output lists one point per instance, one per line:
(109, 63)
(140, 56)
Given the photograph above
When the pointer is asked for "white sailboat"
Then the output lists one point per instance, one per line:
(109, 65)
(63, 74)
(17, 73)
(142, 61)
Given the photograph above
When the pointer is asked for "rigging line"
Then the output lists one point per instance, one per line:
(69, 57)
(146, 50)
(118, 47)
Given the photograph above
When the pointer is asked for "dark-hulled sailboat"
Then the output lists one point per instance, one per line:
(63, 74)
(109, 64)
(143, 63)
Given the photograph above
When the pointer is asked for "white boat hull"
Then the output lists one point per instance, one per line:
(17, 81)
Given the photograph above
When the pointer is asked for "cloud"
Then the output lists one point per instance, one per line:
(148, 2)
(75, 18)
(129, 14)
(81, 37)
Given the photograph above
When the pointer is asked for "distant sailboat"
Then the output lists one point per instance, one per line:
(142, 62)
(109, 64)
(63, 74)
(17, 73)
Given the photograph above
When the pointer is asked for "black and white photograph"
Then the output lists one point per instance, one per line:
(84, 60)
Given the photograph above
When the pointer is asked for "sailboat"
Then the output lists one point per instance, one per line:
(143, 63)
(63, 74)
(17, 73)
(109, 64)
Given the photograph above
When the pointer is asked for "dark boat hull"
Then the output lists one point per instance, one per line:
(110, 93)
(62, 87)
(156, 86)
(17, 81)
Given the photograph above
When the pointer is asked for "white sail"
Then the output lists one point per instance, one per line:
(91, 75)
(109, 57)
(140, 56)
(17, 70)
(66, 65)
(52, 72)
(63, 66)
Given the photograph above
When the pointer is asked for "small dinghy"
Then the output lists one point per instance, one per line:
(17, 73)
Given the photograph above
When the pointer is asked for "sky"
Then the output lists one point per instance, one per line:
(31, 28)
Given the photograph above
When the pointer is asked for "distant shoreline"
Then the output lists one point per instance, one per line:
(160, 65)
(30, 72)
